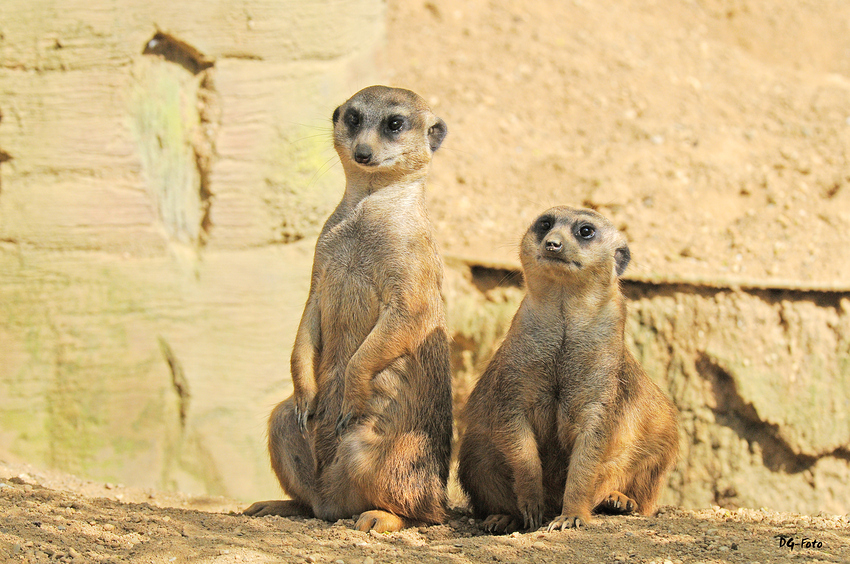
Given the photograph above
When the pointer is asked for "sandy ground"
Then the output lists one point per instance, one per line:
(54, 517)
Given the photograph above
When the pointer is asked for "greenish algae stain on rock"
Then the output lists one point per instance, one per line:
(166, 123)
(104, 392)
(307, 182)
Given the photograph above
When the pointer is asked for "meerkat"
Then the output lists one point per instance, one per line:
(564, 420)
(368, 428)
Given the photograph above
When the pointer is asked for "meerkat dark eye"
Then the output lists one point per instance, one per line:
(395, 124)
(543, 226)
(586, 231)
(352, 119)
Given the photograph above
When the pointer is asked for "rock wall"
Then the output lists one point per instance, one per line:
(154, 157)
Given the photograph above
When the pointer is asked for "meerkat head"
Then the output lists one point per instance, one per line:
(382, 130)
(574, 245)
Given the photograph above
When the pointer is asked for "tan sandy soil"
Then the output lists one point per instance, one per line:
(54, 517)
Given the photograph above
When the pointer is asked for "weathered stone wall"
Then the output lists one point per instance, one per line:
(762, 382)
(154, 156)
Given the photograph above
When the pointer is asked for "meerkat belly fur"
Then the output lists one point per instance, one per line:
(368, 428)
(564, 420)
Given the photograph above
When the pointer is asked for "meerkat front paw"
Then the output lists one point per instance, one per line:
(349, 412)
(305, 407)
(618, 503)
(568, 521)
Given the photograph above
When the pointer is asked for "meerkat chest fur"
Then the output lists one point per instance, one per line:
(382, 250)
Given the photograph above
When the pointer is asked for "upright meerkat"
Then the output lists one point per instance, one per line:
(564, 420)
(368, 429)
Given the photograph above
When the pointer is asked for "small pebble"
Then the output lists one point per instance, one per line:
(368, 560)
(310, 559)
(539, 545)
(339, 561)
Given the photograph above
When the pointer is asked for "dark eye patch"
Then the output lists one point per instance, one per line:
(353, 119)
(543, 225)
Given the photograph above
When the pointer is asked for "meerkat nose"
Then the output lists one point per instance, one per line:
(554, 244)
(363, 153)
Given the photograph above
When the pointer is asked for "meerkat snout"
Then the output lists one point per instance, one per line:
(554, 243)
(363, 153)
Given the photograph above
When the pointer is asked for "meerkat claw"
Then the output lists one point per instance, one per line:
(302, 422)
(342, 422)
(564, 522)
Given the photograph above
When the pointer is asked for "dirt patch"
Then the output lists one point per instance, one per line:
(53, 517)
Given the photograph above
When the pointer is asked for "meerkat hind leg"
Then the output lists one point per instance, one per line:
(292, 461)
(617, 504)
(279, 507)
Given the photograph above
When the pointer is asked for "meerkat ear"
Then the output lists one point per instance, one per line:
(436, 134)
(622, 256)
(336, 116)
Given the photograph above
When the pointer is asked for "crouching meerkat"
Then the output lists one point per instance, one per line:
(564, 420)
(368, 428)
